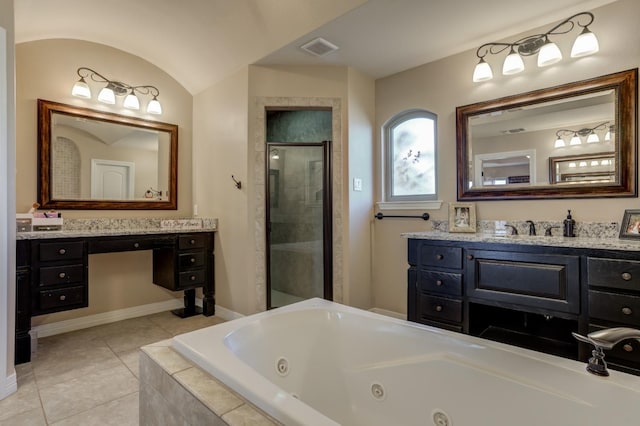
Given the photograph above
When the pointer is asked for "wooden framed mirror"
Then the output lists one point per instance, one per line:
(544, 124)
(90, 159)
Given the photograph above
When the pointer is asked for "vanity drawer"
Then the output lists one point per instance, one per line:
(64, 250)
(192, 241)
(56, 275)
(614, 307)
(191, 279)
(190, 260)
(59, 299)
(613, 273)
(440, 282)
(119, 244)
(440, 256)
(440, 308)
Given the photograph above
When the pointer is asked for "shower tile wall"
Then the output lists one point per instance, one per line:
(66, 173)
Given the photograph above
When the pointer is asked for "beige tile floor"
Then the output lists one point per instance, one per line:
(89, 377)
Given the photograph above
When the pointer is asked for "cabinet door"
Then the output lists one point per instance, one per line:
(538, 281)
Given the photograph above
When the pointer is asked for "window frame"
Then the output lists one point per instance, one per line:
(387, 157)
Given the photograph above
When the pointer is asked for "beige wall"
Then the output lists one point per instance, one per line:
(361, 118)
(442, 85)
(46, 69)
(220, 150)
(225, 120)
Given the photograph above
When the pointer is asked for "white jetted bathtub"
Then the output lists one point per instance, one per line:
(322, 363)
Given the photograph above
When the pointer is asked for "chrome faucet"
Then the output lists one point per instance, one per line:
(532, 227)
(605, 339)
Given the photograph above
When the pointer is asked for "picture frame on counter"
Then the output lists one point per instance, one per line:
(462, 217)
(630, 227)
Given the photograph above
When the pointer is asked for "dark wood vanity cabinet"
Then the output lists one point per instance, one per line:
(527, 295)
(614, 301)
(436, 276)
(52, 273)
(183, 263)
(59, 276)
(23, 305)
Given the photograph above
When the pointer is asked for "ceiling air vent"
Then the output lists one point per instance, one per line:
(319, 47)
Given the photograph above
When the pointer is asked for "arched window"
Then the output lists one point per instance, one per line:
(410, 157)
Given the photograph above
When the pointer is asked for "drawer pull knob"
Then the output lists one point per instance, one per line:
(62, 275)
(136, 245)
(439, 308)
(63, 298)
(192, 241)
(627, 347)
(627, 310)
(193, 260)
(439, 283)
(626, 276)
(469, 257)
(192, 277)
(439, 256)
(62, 251)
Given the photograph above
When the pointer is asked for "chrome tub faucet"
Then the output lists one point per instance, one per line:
(605, 339)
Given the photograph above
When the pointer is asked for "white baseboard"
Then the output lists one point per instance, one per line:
(227, 314)
(388, 313)
(66, 326)
(8, 385)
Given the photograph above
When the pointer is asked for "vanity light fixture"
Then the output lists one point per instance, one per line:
(274, 154)
(548, 52)
(576, 139)
(112, 89)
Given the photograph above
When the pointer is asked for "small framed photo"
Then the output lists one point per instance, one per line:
(630, 228)
(462, 217)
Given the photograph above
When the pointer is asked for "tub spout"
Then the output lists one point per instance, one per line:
(605, 339)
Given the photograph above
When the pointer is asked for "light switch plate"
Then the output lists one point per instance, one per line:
(357, 184)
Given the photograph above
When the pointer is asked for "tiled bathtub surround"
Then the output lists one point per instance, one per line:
(174, 391)
(581, 229)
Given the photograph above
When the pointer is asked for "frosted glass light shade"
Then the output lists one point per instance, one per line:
(131, 101)
(107, 96)
(154, 107)
(559, 143)
(593, 137)
(607, 136)
(482, 72)
(586, 44)
(549, 54)
(513, 64)
(81, 89)
(575, 140)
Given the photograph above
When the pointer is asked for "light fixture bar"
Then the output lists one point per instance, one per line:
(589, 133)
(116, 88)
(548, 52)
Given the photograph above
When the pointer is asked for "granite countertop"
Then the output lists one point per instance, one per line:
(575, 242)
(83, 228)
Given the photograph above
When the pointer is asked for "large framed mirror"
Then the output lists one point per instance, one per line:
(507, 148)
(90, 159)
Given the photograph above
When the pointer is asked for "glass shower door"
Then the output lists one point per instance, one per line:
(296, 222)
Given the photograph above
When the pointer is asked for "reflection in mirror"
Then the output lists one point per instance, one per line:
(505, 168)
(91, 159)
(575, 169)
(505, 145)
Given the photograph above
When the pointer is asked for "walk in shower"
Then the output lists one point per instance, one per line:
(298, 206)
